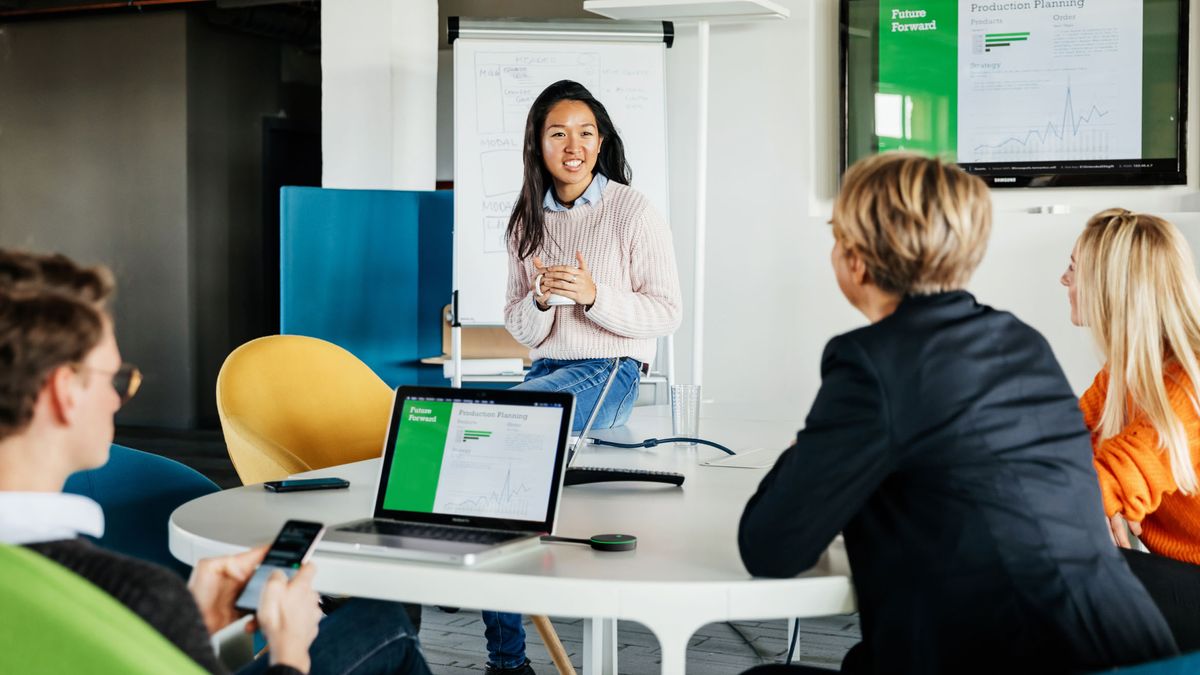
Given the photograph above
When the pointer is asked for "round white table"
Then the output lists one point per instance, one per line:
(684, 574)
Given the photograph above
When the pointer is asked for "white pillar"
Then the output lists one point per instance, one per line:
(379, 93)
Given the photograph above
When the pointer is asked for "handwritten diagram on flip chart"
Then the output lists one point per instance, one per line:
(495, 83)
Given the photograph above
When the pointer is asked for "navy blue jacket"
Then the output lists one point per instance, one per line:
(947, 446)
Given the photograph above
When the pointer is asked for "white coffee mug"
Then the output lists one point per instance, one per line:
(551, 300)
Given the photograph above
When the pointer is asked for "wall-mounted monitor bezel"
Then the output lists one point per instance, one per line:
(1096, 173)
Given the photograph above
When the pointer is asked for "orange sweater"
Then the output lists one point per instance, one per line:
(1135, 473)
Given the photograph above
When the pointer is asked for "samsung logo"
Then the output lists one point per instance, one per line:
(461, 520)
(1005, 180)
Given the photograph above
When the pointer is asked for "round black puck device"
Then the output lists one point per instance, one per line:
(613, 542)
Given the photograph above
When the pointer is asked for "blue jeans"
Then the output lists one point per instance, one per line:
(585, 379)
(505, 639)
(362, 637)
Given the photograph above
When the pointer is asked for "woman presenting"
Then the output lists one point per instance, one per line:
(591, 278)
(580, 234)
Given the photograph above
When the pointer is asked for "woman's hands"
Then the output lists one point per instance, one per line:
(1119, 529)
(540, 294)
(575, 283)
(288, 611)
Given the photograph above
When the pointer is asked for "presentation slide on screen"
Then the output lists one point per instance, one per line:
(1039, 84)
(1015, 83)
(474, 459)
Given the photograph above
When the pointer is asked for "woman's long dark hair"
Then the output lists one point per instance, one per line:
(526, 225)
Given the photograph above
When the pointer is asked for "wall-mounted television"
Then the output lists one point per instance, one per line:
(1023, 93)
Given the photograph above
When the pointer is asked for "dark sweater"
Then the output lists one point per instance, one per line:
(947, 446)
(154, 593)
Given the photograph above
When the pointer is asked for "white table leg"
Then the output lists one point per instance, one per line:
(673, 644)
(600, 647)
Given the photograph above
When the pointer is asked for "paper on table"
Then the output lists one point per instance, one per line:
(758, 458)
(485, 367)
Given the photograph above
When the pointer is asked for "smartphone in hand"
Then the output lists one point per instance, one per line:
(300, 484)
(291, 549)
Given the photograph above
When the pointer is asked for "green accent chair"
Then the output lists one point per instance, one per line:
(55, 621)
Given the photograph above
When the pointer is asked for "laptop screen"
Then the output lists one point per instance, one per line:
(491, 458)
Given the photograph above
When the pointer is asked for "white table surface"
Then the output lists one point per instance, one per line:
(684, 574)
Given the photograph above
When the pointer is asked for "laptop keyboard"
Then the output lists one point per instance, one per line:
(438, 532)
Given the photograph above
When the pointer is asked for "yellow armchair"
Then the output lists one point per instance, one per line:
(290, 403)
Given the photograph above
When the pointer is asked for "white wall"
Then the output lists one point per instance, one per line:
(772, 300)
(378, 94)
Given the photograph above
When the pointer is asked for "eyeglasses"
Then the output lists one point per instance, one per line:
(126, 379)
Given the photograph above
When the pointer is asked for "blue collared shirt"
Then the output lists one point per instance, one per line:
(590, 196)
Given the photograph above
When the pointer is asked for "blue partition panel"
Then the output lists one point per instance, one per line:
(435, 264)
(368, 270)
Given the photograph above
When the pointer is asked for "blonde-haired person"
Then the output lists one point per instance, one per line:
(1132, 282)
(947, 446)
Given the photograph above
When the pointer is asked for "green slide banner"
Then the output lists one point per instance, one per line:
(917, 103)
(417, 462)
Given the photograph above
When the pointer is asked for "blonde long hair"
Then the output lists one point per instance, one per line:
(1137, 291)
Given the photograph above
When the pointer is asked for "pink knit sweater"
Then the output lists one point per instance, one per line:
(627, 246)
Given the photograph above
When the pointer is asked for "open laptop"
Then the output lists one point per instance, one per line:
(576, 443)
(585, 475)
(467, 475)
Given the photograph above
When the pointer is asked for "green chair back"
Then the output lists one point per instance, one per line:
(55, 621)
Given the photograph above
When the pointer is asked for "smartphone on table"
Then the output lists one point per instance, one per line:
(291, 549)
(299, 484)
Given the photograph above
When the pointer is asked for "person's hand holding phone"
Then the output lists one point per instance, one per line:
(216, 582)
(288, 614)
(275, 583)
